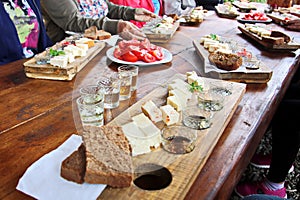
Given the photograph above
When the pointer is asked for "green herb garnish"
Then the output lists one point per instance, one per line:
(213, 36)
(194, 87)
(54, 52)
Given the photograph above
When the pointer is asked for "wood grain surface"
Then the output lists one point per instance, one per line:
(39, 115)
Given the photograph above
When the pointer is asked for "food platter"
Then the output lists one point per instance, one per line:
(241, 20)
(244, 6)
(161, 36)
(167, 58)
(242, 74)
(221, 12)
(282, 18)
(50, 72)
(291, 46)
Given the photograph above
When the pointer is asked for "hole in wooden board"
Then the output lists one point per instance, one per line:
(150, 176)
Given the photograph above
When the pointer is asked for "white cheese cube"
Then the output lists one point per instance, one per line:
(174, 102)
(59, 61)
(169, 114)
(142, 120)
(152, 111)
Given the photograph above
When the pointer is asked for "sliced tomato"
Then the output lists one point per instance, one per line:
(139, 53)
(118, 53)
(157, 53)
(148, 58)
(130, 57)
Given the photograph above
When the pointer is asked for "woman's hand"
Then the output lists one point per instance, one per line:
(128, 31)
(143, 15)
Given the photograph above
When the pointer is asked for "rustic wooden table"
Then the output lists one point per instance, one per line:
(36, 115)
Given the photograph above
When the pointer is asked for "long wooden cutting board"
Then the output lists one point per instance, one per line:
(47, 71)
(183, 167)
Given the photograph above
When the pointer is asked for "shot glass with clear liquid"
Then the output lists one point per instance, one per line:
(111, 87)
(125, 79)
(134, 71)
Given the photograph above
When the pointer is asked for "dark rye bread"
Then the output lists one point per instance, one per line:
(73, 167)
(108, 156)
(226, 61)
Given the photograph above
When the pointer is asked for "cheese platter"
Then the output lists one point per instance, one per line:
(268, 41)
(59, 67)
(226, 11)
(160, 30)
(177, 164)
(244, 6)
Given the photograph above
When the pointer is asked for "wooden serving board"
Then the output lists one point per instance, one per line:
(261, 75)
(225, 15)
(47, 71)
(291, 46)
(280, 19)
(243, 6)
(161, 37)
(183, 167)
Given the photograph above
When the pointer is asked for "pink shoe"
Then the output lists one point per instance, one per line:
(264, 161)
(258, 188)
(261, 160)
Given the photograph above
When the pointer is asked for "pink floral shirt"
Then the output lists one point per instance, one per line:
(93, 8)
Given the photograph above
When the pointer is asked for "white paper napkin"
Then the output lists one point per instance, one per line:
(42, 179)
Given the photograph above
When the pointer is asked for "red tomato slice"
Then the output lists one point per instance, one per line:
(148, 58)
(129, 57)
(157, 53)
(118, 53)
(139, 53)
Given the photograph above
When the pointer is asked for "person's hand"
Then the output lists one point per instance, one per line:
(293, 25)
(128, 31)
(143, 15)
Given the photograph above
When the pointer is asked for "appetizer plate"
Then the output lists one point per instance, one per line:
(241, 20)
(167, 58)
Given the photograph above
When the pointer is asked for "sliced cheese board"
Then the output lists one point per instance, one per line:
(290, 46)
(47, 71)
(225, 11)
(244, 6)
(242, 74)
(183, 167)
(160, 34)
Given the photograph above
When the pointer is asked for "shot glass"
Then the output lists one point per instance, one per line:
(196, 118)
(91, 94)
(178, 139)
(134, 71)
(125, 79)
(111, 87)
(210, 100)
(91, 113)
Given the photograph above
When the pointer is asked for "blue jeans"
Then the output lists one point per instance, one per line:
(262, 197)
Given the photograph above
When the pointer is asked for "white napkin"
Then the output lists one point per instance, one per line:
(42, 179)
(112, 41)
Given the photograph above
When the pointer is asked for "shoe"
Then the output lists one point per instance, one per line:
(264, 161)
(258, 188)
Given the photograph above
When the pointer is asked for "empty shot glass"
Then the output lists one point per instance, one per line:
(111, 87)
(134, 71)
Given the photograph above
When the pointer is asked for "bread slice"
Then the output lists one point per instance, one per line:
(226, 61)
(108, 156)
(273, 40)
(287, 38)
(95, 34)
(73, 167)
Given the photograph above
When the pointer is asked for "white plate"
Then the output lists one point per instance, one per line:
(167, 58)
(240, 19)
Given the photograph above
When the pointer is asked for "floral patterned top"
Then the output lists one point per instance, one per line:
(26, 24)
(93, 8)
